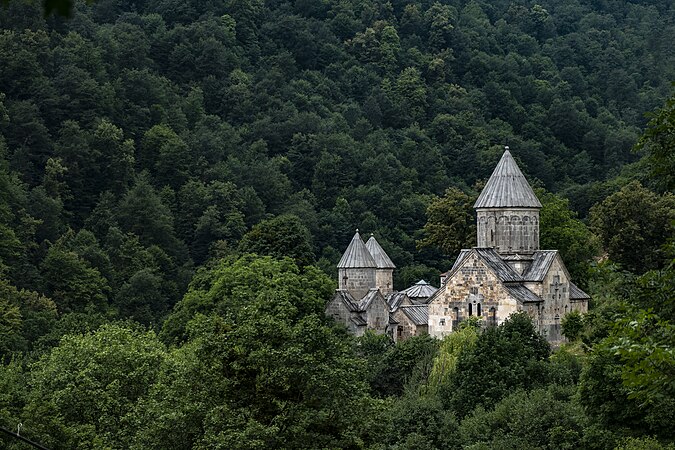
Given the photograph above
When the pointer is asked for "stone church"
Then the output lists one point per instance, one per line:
(365, 298)
(505, 273)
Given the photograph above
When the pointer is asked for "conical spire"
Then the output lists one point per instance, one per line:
(356, 255)
(507, 187)
(379, 255)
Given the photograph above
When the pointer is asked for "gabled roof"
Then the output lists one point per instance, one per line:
(348, 300)
(522, 294)
(492, 260)
(372, 294)
(460, 258)
(421, 289)
(395, 299)
(495, 262)
(381, 258)
(507, 187)
(356, 255)
(358, 320)
(541, 262)
(577, 294)
(418, 314)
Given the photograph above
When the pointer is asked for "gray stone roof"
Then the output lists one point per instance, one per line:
(359, 321)
(421, 289)
(379, 255)
(395, 299)
(356, 255)
(577, 294)
(418, 314)
(507, 187)
(541, 262)
(349, 301)
(522, 293)
(365, 302)
(495, 262)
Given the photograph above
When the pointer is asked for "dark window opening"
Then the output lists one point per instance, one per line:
(478, 311)
(470, 310)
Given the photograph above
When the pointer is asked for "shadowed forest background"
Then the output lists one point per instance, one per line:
(178, 180)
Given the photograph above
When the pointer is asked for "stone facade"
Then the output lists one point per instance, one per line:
(384, 280)
(473, 291)
(509, 231)
(358, 281)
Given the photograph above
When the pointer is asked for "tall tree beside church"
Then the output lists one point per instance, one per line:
(450, 223)
(560, 229)
(282, 236)
(659, 142)
(633, 225)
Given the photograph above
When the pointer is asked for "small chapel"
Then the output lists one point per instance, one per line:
(505, 273)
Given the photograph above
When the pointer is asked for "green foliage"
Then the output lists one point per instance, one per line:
(572, 325)
(449, 352)
(282, 236)
(71, 282)
(534, 419)
(84, 391)
(394, 367)
(504, 358)
(659, 143)
(267, 372)
(560, 229)
(450, 223)
(633, 224)
(229, 287)
(141, 139)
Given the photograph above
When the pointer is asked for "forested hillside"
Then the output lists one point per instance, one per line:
(149, 150)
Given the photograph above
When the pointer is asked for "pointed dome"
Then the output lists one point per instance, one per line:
(507, 187)
(356, 255)
(379, 255)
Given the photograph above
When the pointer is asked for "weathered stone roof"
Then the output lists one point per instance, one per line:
(379, 255)
(349, 301)
(421, 289)
(395, 299)
(577, 294)
(365, 302)
(541, 262)
(507, 187)
(418, 314)
(523, 294)
(495, 262)
(356, 255)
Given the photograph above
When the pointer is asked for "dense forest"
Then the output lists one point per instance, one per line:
(178, 180)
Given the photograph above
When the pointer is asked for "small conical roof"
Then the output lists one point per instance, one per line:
(379, 255)
(356, 255)
(507, 187)
(421, 289)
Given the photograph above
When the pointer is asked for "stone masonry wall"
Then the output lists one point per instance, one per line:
(472, 284)
(508, 230)
(357, 281)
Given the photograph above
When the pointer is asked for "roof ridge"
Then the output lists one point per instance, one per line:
(381, 258)
(356, 255)
(507, 187)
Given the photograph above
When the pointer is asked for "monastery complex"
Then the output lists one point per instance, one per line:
(505, 273)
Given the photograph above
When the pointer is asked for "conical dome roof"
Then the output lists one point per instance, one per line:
(356, 255)
(421, 289)
(379, 255)
(507, 187)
